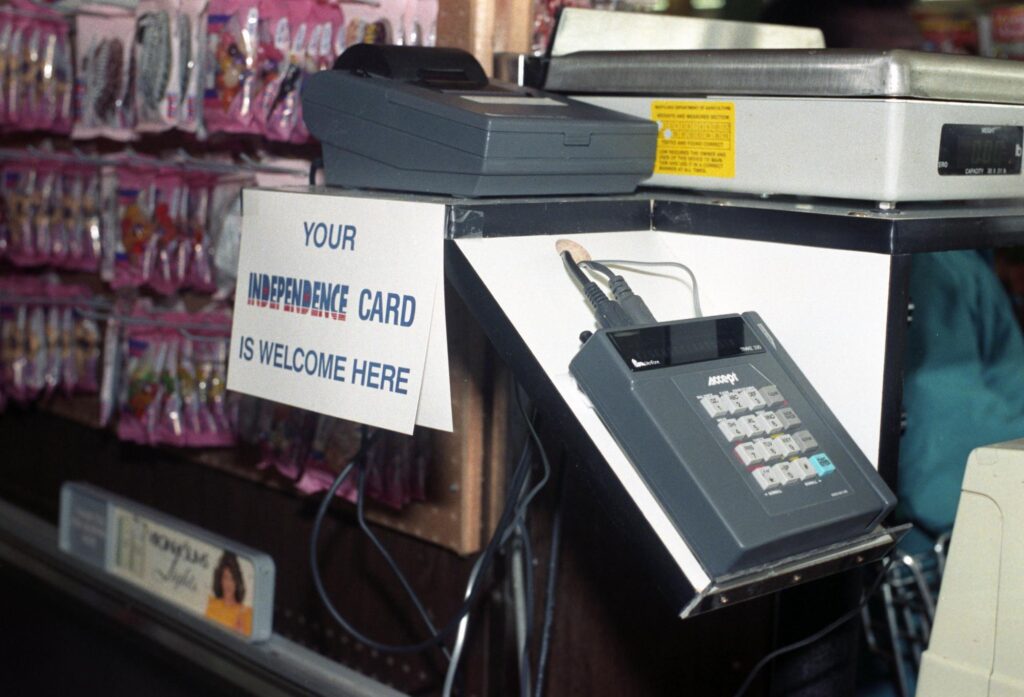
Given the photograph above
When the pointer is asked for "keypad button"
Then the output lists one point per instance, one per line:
(788, 417)
(712, 404)
(771, 421)
(786, 474)
(766, 479)
(733, 402)
(768, 449)
(805, 440)
(771, 395)
(731, 430)
(752, 398)
(788, 445)
(805, 468)
(822, 464)
(748, 454)
(752, 425)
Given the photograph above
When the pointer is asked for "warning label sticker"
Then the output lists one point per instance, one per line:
(695, 138)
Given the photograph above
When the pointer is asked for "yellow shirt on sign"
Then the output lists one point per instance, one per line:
(234, 616)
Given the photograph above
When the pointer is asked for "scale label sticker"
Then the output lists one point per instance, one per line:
(695, 138)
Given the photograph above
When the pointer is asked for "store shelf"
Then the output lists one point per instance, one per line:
(275, 667)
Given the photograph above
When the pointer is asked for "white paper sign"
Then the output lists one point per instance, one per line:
(337, 302)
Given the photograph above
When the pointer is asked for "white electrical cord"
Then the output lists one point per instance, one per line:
(694, 292)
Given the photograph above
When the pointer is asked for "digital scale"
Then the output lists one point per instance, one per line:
(881, 126)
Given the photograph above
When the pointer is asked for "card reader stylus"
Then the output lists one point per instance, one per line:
(428, 120)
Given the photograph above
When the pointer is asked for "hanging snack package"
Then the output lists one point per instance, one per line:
(81, 345)
(216, 410)
(366, 24)
(80, 202)
(17, 65)
(198, 241)
(232, 35)
(225, 227)
(277, 109)
(283, 435)
(426, 18)
(6, 31)
(23, 202)
(136, 232)
(44, 99)
(46, 219)
(141, 394)
(169, 428)
(161, 266)
(60, 85)
(108, 212)
(326, 41)
(276, 28)
(191, 25)
(157, 83)
(103, 89)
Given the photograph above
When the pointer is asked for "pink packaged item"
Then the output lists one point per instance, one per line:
(232, 31)
(161, 266)
(103, 90)
(144, 351)
(174, 377)
(6, 32)
(48, 247)
(17, 63)
(81, 202)
(23, 200)
(136, 232)
(198, 242)
(326, 41)
(277, 105)
(191, 22)
(156, 65)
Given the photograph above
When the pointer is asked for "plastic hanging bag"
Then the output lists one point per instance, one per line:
(232, 35)
(137, 231)
(198, 240)
(6, 32)
(24, 200)
(157, 96)
(161, 263)
(277, 109)
(103, 77)
(191, 34)
(326, 41)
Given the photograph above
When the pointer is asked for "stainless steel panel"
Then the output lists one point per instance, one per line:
(790, 73)
(588, 30)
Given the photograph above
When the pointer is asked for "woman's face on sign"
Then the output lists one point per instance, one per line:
(227, 584)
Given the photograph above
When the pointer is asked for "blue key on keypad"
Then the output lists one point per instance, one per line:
(822, 463)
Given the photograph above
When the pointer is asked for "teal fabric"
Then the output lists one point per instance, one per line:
(963, 380)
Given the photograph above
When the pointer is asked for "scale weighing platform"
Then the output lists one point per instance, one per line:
(881, 126)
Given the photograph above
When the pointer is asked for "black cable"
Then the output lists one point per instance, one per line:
(551, 586)
(574, 270)
(509, 513)
(524, 656)
(316, 164)
(392, 564)
(608, 313)
(820, 634)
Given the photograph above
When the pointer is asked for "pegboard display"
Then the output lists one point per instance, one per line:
(458, 488)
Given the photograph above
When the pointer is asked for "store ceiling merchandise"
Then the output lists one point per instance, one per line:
(339, 307)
